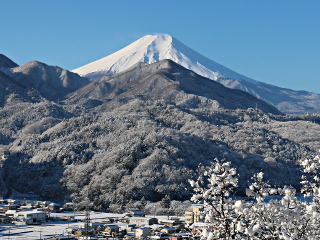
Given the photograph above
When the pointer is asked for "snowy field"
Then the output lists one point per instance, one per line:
(11, 231)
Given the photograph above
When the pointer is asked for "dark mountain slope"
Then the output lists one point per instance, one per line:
(51, 81)
(13, 91)
(167, 80)
(6, 62)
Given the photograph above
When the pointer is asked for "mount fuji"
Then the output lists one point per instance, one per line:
(154, 48)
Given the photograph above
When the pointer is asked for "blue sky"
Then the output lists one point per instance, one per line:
(273, 41)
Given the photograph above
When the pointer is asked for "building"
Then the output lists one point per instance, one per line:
(179, 236)
(111, 230)
(32, 216)
(199, 226)
(82, 232)
(11, 206)
(4, 218)
(71, 230)
(10, 213)
(54, 207)
(194, 215)
(69, 206)
(138, 213)
(168, 230)
(143, 232)
(96, 226)
(160, 236)
(171, 222)
(143, 221)
(13, 201)
(124, 227)
(3, 201)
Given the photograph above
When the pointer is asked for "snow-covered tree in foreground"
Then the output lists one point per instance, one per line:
(283, 217)
(213, 189)
(311, 189)
(274, 218)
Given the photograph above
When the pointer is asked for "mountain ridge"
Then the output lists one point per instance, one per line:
(143, 132)
(13, 91)
(152, 48)
(52, 82)
(6, 62)
(166, 80)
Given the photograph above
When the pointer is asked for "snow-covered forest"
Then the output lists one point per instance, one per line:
(145, 148)
(142, 133)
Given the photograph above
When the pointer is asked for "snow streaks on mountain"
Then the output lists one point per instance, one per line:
(153, 48)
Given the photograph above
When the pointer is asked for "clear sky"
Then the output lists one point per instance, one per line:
(273, 41)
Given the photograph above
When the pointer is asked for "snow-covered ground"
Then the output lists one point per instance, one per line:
(10, 231)
(13, 232)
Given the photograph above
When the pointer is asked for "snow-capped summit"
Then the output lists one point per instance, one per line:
(154, 48)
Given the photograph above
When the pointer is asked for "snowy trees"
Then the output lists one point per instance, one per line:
(272, 213)
(141, 147)
(311, 179)
(214, 189)
(311, 189)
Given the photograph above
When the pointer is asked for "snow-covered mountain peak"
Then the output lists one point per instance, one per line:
(153, 48)
(149, 49)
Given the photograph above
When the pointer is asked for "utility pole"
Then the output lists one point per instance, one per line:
(87, 221)
(74, 210)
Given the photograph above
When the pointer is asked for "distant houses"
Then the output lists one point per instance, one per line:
(134, 225)
(23, 212)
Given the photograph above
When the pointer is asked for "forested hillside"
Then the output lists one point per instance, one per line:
(145, 143)
(145, 148)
